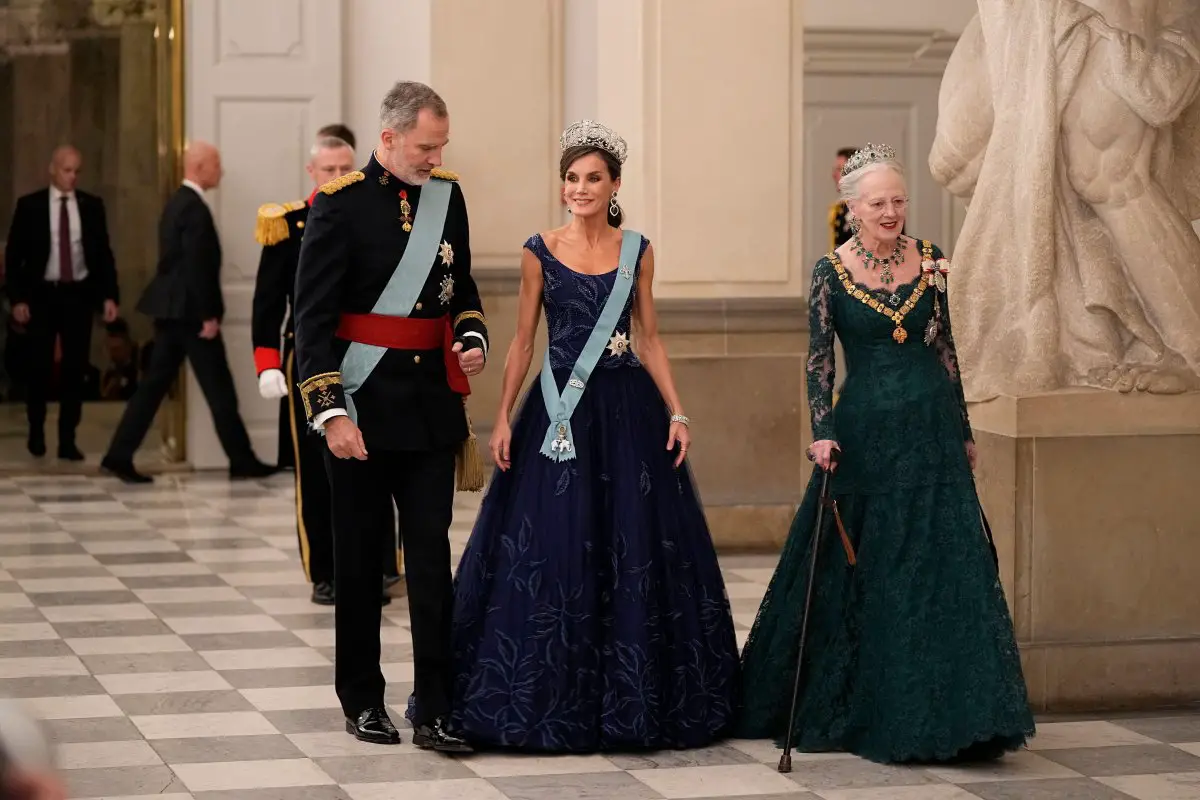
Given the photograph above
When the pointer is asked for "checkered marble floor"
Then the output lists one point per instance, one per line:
(165, 636)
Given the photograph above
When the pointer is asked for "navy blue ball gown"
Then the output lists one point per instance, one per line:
(590, 613)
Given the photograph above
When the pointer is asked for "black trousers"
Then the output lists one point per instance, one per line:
(422, 486)
(58, 311)
(314, 513)
(174, 341)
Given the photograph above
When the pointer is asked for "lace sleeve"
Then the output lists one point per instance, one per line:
(821, 368)
(944, 343)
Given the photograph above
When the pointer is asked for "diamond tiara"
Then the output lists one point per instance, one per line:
(589, 133)
(871, 154)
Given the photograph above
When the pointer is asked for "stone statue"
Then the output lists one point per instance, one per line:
(1072, 128)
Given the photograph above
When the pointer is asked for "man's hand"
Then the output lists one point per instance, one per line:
(110, 310)
(20, 313)
(272, 385)
(210, 329)
(470, 361)
(344, 438)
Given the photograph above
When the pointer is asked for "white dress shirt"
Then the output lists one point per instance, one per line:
(195, 187)
(78, 265)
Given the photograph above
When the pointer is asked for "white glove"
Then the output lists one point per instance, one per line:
(272, 385)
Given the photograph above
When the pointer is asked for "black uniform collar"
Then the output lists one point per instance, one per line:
(377, 174)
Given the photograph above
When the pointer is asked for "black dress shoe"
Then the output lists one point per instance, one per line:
(123, 470)
(434, 736)
(374, 726)
(322, 594)
(69, 452)
(252, 469)
(36, 444)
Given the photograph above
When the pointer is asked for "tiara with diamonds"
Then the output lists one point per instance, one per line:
(871, 154)
(593, 134)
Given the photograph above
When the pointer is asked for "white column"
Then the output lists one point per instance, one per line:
(388, 41)
(708, 95)
(262, 78)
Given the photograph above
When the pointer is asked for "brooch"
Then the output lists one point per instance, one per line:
(937, 271)
(447, 290)
(446, 252)
(618, 344)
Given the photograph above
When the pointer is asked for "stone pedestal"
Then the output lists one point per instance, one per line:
(1095, 506)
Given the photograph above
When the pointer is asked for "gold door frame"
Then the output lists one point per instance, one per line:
(172, 138)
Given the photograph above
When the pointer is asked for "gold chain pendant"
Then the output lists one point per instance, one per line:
(899, 335)
(405, 212)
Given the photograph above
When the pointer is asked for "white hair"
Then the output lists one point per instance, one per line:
(328, 143)
(850, 185)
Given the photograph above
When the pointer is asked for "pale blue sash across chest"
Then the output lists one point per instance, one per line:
(404, 287)
(559, 444)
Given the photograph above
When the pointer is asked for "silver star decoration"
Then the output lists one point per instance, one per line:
(447, 290)
(618, 344)
(446, 252)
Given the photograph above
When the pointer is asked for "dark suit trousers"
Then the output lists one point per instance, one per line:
(57, 311)
(314, 514)
(422, 486)
(174, 341)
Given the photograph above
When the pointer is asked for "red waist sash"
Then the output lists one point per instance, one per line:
(407, 333)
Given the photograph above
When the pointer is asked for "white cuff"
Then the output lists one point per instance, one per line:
(319, 420)
(482, 341)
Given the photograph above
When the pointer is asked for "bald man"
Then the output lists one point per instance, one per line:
(185, 301)
(60, 272)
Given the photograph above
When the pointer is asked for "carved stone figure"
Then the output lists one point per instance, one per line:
(1072, 128)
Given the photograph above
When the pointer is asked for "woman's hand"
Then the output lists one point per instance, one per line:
(821, 454)
(680, 434)
(500, 443)
(972, 455)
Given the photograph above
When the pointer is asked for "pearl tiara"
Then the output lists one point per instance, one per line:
(593, 134)
(871, 154)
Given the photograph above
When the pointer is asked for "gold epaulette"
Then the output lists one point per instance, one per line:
(271, 227)
(337, 184)
(444, 174)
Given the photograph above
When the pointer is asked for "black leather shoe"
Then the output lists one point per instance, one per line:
(123, 470)
(322, 593)
(434, 736)
(252, 469)
(36, 444)
(69, 452)
(374, 726)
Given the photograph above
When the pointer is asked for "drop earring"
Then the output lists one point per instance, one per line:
(613, 208)
(855, 224)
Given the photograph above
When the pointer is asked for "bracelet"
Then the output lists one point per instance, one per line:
(681, 419)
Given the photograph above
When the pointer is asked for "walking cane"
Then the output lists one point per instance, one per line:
(785, 761)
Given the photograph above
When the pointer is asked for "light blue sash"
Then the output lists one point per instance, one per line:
(559, 443)
(403, 288)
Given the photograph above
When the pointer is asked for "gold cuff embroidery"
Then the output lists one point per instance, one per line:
(466, 315)
(319, 384)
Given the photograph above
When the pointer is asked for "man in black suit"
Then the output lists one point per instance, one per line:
(185, 301)
(60, 270)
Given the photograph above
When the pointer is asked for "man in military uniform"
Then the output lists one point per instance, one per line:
(840, 231)
(286, 458)
(280, 230)
(388, 328)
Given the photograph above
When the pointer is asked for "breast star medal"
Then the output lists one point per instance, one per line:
(618, 344)
(446, 252)
(447, 290)
(405, 212)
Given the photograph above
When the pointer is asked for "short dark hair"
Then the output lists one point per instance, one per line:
(338, 131)
(846, 152)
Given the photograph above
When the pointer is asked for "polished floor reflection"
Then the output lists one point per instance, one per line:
(165, 635)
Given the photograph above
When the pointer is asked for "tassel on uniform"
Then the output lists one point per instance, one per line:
(468, 463)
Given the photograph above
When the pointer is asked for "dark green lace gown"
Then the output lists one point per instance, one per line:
(911, 655)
